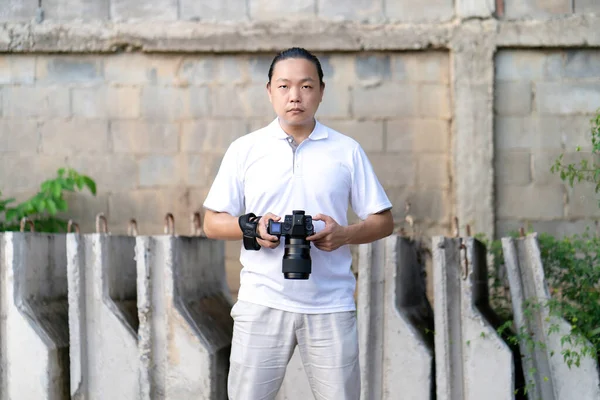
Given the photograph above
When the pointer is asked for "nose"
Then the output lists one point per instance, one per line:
(294, 95)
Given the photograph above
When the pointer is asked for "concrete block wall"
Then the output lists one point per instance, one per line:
(152, 129)
(544, 101)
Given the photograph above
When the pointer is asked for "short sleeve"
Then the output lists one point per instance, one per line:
(367, 196)
(227, 193)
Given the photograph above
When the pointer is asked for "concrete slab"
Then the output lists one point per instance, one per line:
(395, 322)
(103, 318)
(34, 356)
(548, 377)
(184, 312)
(463, 334)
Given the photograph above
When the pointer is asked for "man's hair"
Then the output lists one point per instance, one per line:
(297, 52)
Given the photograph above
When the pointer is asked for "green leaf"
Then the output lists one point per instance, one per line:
(90, 184)
(51, 205)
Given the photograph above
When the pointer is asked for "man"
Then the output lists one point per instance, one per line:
(296, 163)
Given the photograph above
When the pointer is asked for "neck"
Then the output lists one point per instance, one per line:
(298, 132)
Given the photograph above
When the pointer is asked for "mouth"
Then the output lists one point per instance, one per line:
(295, 110)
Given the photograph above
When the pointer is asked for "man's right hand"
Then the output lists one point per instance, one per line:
(267, 240)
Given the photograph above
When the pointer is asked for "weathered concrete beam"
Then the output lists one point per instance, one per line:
(103, 317)
(185, 36)
(185, 327)
(473, 82)
(35, 335)
(189, 36)
(462, 331)
(548, 375)
(395, 322)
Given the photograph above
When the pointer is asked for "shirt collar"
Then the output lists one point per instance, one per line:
(319, 132)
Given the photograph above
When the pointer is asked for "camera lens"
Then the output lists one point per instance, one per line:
(296, 258)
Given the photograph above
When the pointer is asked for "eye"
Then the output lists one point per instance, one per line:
(306, 87)
(282, 86)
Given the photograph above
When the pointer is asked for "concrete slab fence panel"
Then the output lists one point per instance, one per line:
(550, 377)
(472, 361)
(103, 317)
(184, 312)
(34, 355)
(395, 322)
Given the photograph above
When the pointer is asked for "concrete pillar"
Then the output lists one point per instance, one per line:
(548, 376)
(395, 322)
(34, 356)
(185, 327)
(472, 361)
(103, 318)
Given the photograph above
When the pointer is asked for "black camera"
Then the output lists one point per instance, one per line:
(296, 257)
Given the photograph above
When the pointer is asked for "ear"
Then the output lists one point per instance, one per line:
(269, 92)
(322, 91)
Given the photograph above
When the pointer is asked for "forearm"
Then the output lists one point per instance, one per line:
(221, 226)
(375, 227)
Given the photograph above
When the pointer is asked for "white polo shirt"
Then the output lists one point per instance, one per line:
(261, 173)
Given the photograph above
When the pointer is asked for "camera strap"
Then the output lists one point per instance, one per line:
(249, 226)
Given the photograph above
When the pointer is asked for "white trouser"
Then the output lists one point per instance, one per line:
(264, 340)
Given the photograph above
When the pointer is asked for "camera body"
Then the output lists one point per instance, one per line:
(297, 263)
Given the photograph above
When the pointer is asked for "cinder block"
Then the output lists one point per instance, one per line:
(14, 11)
(398, 196)
(139, 69)
(74, 136)
(475, 8)
(171, 103)
(584, 202)
(18, 135)
(560, 229)
(524, 201)
(26, 172)
(587, 6)
(156, 170)
(336, 101)
(434, 101)
(227, 102)
(207, 10)
(210, 136)
(521, 65)
(69, 69)
(17, 69)
(144, 137)
(133, 10)
(83, 208)
(394, 169)
(391, 100)
(373, 67)
(512, 168)
(256, 102)
(567, 98)
(231, 70)
(362, 10)
(202, 168)
(57, 10)
(582, 64)
(428, 66)
(418, 135)
(269, 10)
(39, 101)
(419, 10)
(197, 70)
(432, 170)
(514, 9)
(369, 134)
(147, 206)
(258, 68)
(111, 171)
(542, 161)
(430, 205)
(512, 98)
(532, 132)
(106, 102)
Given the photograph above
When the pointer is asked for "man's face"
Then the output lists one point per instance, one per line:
(295, 91)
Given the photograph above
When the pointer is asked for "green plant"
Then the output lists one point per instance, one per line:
(587, 170)
(43, 207)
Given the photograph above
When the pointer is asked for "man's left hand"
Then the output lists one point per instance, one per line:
(331, 237)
